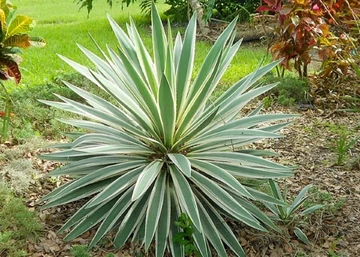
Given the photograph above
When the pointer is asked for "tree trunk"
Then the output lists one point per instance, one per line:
(254, 34)
(197, 8)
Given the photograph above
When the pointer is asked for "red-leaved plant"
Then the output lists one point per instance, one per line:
(298, 27)
(306, 28)
(13, 38)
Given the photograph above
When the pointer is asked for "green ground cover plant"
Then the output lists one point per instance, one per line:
(324, 198)
(290, 91)
(80, 251)
(17, 224)
(163, 149)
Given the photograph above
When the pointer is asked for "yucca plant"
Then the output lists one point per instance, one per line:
(289, 214)
(161, 149)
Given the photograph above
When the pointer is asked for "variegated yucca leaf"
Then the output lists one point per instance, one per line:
(160, 148)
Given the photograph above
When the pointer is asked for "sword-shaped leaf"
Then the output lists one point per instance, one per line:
(146, 178)
(167, 111)
(155, 204)
(163, 227)
(181, 162)
(185, 196)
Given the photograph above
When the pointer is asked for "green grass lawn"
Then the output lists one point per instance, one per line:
(63, 26)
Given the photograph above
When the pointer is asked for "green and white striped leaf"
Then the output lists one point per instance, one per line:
(181, 162)
(102, 174)
(236, 158)
(301, 235)
(201, 242)
(167, 111)
(90, 220)
(222, 228)
(248, 122)
(221, 175)
(131, 220)
(234, 134)
(176, 250)
(78, 216)
(154, 208)
(312, 209)
(185, 54)
(185, 196)
(139, 233)
(162, 232)
(211, 231)
(244, 171)
(77, 194)
(146, 178)
(224, 200)
(159, 43)
(259, 214)
(117, 186)
(144, 57)
(112, 217)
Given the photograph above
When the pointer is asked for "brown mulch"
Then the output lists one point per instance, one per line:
(308, 145)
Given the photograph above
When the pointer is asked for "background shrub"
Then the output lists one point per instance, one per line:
(290, 90)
